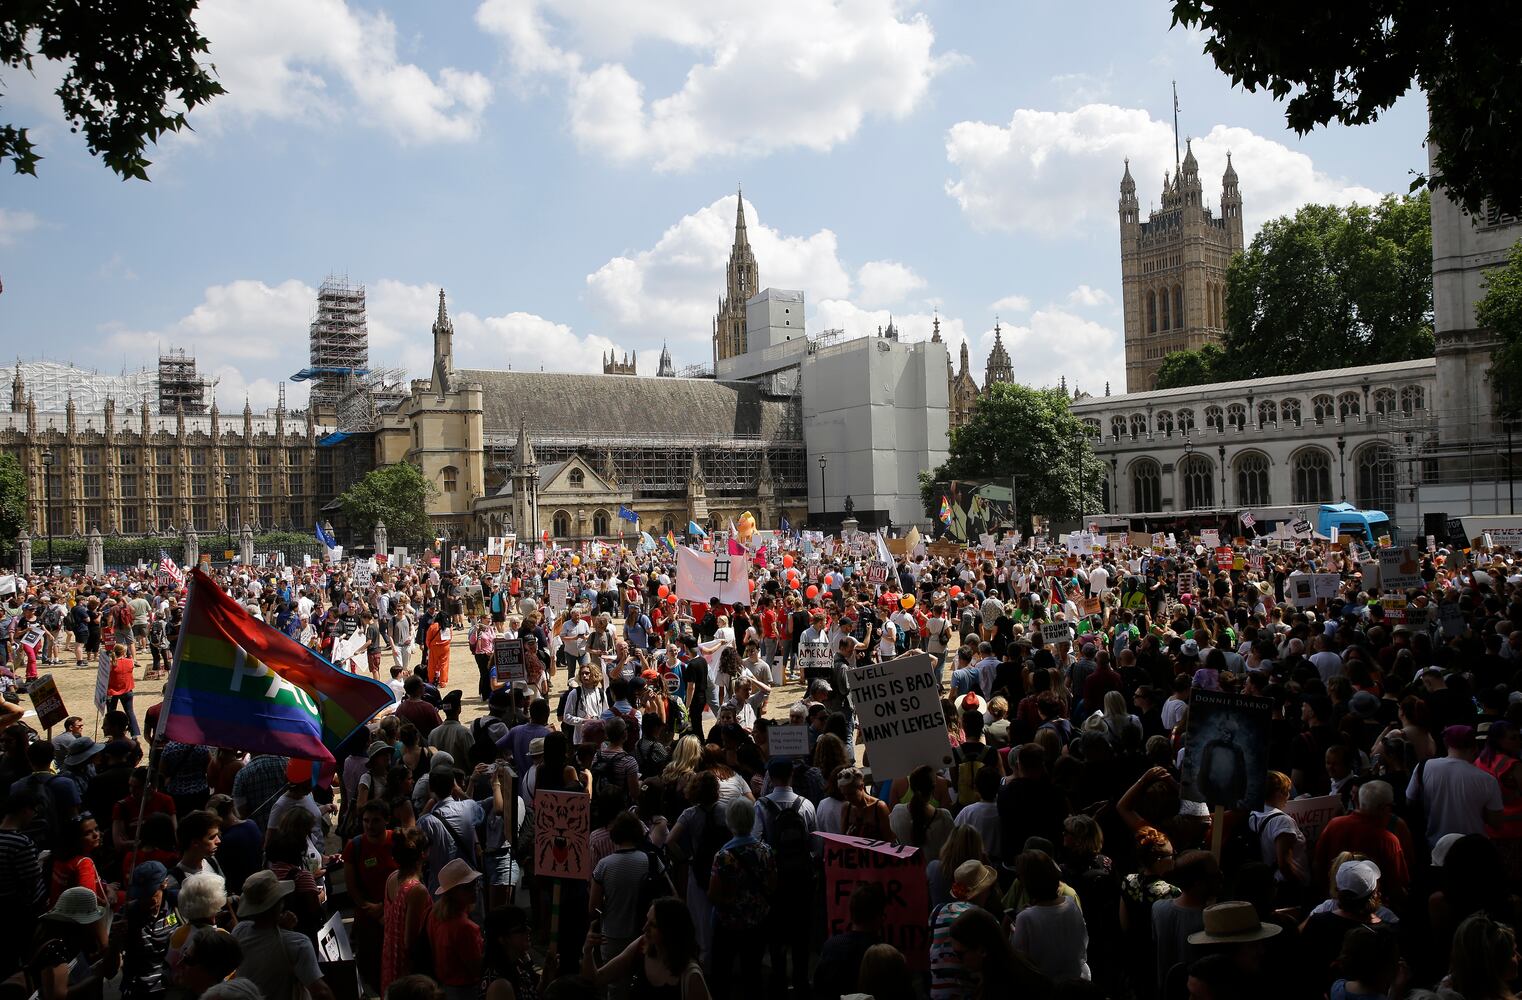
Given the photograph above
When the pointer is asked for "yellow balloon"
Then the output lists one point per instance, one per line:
(576, 560)
(906, 602)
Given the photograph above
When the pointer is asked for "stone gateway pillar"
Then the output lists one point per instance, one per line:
(95, 558)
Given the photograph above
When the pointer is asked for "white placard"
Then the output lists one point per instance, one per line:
(559, 593)
(1210, 538)
(898, 706)
(102, 679)
(788, 741)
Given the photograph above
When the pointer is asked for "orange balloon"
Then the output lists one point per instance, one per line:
(793, 582)
(955, 591)
(787, 559)
(663, 591)
(812, 592)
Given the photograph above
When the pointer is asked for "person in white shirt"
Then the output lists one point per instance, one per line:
(1099, 581)
(1459, 797)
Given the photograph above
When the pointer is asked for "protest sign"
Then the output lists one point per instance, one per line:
(1223, 557)
(1400, 569)
(559, 594)
(702, 576)
(7, 584)
(1395, 609)
(562, 835)
(33, 637)
(789, 741)
(815, 658)
(102, 679)
(1055, 632)
(1451, 619)
(1210, 538)
(1312, 815)
(507, 661)
(1226, 749)
(898, 705)
(1300, 528)
(1089, 606)
(877, 574)
(362, 575)
(1305, 589)
(1140, 539)
(333, 941)
(48, 703)
(851, 861)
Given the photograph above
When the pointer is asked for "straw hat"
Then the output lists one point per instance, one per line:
(78, 905)
(261, 892)
(457, 873)
(1235, 922)
(971, 878)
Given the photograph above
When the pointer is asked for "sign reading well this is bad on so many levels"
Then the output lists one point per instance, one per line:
(898, 705)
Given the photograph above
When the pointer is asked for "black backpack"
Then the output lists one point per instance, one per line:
(789, 839)
(656, 883)
(606, 779)
(48, 823)
(712, 840)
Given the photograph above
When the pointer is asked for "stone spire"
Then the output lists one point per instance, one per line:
(742, 280)
(999, 367)
(935, 331)
(18, 391)
(443, 349)
(965, 366)
(665, 369)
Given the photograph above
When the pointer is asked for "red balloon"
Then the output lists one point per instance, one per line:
(812, 592)
(793, 582)
(663, 591)
(787, 559)
(955, 591)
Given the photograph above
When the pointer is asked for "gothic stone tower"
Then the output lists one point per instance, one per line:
(1173, 268)
(742, 281)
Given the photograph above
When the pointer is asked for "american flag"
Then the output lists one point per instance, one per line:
(167, 565)
(1247, 519)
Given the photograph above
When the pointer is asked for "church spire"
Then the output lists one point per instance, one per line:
(935, 328)
(742, 281)
(742, 239)
(443, 348)
(999, 367)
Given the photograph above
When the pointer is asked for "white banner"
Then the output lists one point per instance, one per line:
(102, 679)
(702, 576)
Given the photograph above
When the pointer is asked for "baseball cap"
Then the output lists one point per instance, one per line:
(1358, 877)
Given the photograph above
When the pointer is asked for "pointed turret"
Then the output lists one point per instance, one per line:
(999, 367)
(665, 369)
(742, 281)
(935, 333)
(965, 366)
(443, 349)
(524, 458)
(742, 239)
(18, 391)
(1129, 209)
(1191, 165)
(1231, 206)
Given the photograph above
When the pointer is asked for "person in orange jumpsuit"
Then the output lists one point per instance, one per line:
(438, 639)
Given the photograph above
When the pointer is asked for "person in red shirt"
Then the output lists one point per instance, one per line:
(368, 859)
(124, 815)
(120, 684)
(1366, 831)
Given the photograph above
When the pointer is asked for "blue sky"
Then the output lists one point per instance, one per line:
(566, 170)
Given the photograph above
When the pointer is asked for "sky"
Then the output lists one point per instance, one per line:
(567, 171)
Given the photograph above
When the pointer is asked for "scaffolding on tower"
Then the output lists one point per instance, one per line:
(178, 383)
(339, 344)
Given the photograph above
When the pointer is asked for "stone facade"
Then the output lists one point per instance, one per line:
(1173, 268)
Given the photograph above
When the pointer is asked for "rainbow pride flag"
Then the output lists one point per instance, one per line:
(239, 684)
(945, 511)
(670, 542)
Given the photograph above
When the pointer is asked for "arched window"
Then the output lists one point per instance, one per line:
(1164, 423)
(1349, 406)
(1167, 321)
(1236, 415)
(1178, 307)
(1197, 476)
(1215, 418)
(1146, 485)
(1412, 398)
(451, 478)
(1268, 414)
(1289, 412)
(1252, 479)
(667, 525)
(1151, 312)
(562, 524)
(1321, 409)
(1384, 401)
(577, 479)
(1375, 465)
(1185, 421)
(600, 523)
(1138, 425)
(1091, 427)
(1312, 475)
(1118, 427)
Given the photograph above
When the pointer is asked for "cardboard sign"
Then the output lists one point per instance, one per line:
(1055, 632)
(1226, 749)
(507, 661)
(1312, 815)
(850, 861)
(1400, 569)
(1306, 589)
(1223, 557)
(362, 574)
(898, 705)
(559, 594)
(1089, 606)
(1451, 619)
(494, 564)
(33, 637)
(789, 740)
(815, 658)
(48, 703)
(1210, 538)
(562, 835)
(164, 578)
(102, 679)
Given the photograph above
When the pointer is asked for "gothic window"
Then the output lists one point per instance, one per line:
(127, 456)
(667, 525)
(577, 479)
(1164, 423)
(1091, 427)
(1197, 475)
(1289, 412)
(1236, 415)
(600, 522)
(1215, 418)
(1138, 425)
(1185, 421)
(1349, 406)
(1151, 312)
(1146, 485)
(1118, 427)
(1167, 324)
(90, 456)
(1252, 480)
(451, 478)
(129, 486)
(1384, 402)
(1375, 477)
(1312, 476)
(164, 456)
(1321, 409)
(1178, 307)
(1268, 414)
(562, 524)
(130, 523)
(1412, 398)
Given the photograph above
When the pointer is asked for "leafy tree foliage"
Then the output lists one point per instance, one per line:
(1501, 310)
(12, 499)
(1030, 434)
(1181, 368)
(397, 494)
(1349, 61)
(1331, 287)
(132, 73)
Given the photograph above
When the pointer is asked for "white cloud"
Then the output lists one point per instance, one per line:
(1058, 344)
(886, 282)
(1040, 172)
(1077, 89)
(1088, 295)
(755, 81)
(321, 61)
(1011, 304)
(14, 224)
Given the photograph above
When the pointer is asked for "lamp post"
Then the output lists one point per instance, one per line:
(1342, 466)
(227, 500)
(47, 492)
(823, 506)
(1221, 454)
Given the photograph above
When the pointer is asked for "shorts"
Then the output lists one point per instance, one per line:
(140, 631)
(501, 869)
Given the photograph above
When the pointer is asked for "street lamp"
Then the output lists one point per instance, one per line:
(1221, 454)
(1342, 466)
(823, 505)
(47, 490)
(227, 499)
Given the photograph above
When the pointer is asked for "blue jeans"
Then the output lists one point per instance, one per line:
(125, 700)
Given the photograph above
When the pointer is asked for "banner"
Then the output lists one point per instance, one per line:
(1226, 749)
(898, 706)
(1210, 538)
(562, 835)
(851, 861)
(702, 576)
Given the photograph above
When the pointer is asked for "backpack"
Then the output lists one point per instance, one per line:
(789, 839)
(655, 884)
(48, 821)
(965, 777)
(710, 842)
(606, 780)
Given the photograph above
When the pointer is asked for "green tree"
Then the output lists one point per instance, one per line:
(12, 499)
(132, 73)
(1501, 310)
(1331, 287)
(1030, 434)
(1182, 368)
(1349, 61)
(397, 494)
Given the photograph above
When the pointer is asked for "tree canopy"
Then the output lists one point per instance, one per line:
(1501, 310)
(132, 73)
(1348, 62)
(1030, 434)
(1181, 368)
(397, 494)
(12, 499)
